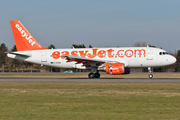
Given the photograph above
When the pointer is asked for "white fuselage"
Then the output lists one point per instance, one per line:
(132, 57)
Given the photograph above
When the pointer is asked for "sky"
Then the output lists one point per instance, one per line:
(99, 23)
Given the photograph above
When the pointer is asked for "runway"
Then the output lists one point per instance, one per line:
(87, 80)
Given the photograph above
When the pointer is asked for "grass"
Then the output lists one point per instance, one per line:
(85, 75)
(97, 101)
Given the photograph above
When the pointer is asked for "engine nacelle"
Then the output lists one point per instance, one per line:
(116, 69)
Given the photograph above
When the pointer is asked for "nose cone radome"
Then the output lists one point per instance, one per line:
(172, 60)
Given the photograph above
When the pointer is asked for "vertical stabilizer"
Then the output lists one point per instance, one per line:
(23, 39)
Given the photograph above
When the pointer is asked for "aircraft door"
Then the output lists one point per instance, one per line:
(150, 54)
(44, 57)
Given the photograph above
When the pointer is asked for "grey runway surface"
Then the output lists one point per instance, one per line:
(87, 80)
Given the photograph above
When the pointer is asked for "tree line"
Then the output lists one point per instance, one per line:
(11, 65)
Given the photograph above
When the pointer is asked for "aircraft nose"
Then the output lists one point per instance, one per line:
(172, 59)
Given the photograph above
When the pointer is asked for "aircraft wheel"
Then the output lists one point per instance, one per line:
(150, 76)
(91, 75)
(97, 75)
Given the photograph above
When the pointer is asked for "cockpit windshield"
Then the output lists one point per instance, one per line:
(163, 53)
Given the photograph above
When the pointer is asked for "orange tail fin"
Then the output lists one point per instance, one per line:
(23, 39)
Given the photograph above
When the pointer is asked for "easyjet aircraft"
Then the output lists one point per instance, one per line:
(115, 61)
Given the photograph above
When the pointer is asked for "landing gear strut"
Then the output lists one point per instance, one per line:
(150, 73)
(94, 75)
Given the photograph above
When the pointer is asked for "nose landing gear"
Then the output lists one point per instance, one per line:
(150, 73)
(150, 76)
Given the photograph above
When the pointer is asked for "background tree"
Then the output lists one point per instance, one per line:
(51, 46)
(79, 46)
(90, 46)
(177, 64)
(15, 64)
(28, 65)
(3, 56)
(139, 44)
(14, 49)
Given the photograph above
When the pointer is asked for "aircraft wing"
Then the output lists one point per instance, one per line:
(89, 62)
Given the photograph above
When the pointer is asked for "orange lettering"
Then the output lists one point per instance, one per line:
(135, 52)
(101, 53)
(129, 55)
(110, 53)
(83, 54)
(74, 53)
(120, 55)
(56, 54)
(92, 55)
(65, 53)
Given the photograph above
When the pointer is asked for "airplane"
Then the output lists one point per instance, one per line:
(114, 61)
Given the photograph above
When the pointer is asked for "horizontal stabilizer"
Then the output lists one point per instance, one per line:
(20, 54)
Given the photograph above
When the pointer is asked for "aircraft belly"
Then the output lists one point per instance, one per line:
(133, 63)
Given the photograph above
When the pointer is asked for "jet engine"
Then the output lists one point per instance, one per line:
(116, 68)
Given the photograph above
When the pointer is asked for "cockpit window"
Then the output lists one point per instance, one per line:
(163, 53)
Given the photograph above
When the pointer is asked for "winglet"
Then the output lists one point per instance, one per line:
(23, 39)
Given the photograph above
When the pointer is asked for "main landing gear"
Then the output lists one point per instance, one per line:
(94, 75)
(150, 73)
